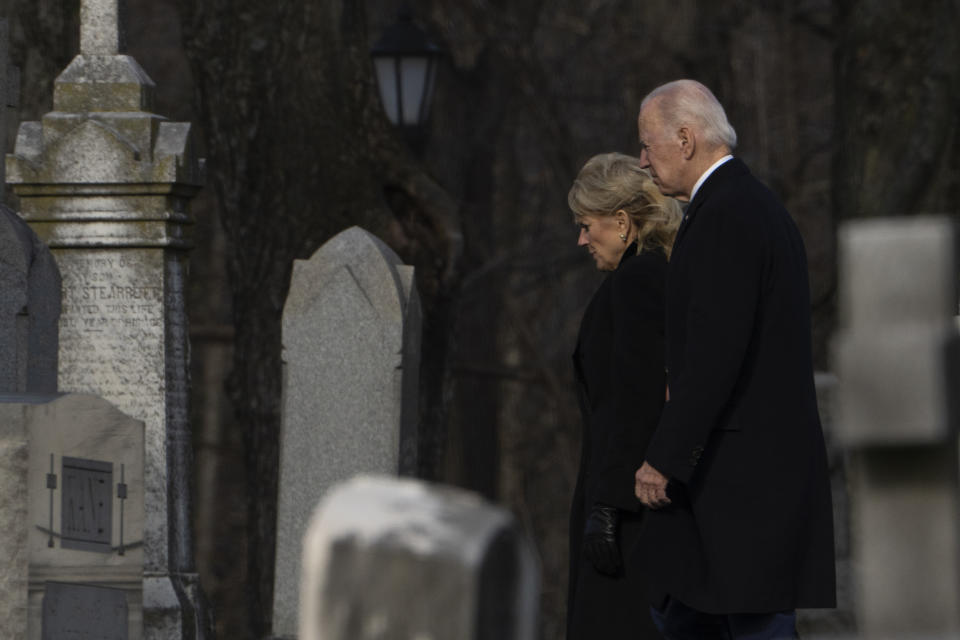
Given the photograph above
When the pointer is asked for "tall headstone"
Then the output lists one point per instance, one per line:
(72, 508)
(395, 559)
(29, 309)
(106, 184)
(351, 344)
(897, 359)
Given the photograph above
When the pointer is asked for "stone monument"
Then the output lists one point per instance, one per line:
(106, 184)
(897, 358)
(351, 344)
(395, 559)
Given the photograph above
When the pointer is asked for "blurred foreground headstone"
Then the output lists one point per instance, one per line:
(897, 362)
(397, 559)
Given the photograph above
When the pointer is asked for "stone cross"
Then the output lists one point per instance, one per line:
(897, 355)
(100, 27)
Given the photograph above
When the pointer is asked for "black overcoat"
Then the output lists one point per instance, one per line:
(751, 527)
(621, 381)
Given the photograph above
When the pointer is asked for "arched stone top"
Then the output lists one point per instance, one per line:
(383, 281)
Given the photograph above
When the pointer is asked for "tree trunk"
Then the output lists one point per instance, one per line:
(298, 150)
(897, 87)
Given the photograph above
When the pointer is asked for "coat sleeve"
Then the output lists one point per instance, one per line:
(637, 378)
(725, 266)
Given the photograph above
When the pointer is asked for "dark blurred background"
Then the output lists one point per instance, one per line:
(846, 108)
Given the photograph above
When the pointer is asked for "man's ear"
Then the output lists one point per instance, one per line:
(688, 142)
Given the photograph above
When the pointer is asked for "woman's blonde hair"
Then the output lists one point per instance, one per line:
(611, 182)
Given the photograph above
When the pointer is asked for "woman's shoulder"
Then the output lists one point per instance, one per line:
(647, 260)
(649, 267)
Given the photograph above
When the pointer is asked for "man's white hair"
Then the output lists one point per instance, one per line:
(685, 103)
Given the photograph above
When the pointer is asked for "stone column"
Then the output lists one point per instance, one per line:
(107, 184)
(897, 358)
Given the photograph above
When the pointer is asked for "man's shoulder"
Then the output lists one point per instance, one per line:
(740, 193)
(733, 179)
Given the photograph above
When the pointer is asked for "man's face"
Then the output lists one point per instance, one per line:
(660, 152)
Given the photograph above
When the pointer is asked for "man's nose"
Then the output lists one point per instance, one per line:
(582, 240)
(644, 160)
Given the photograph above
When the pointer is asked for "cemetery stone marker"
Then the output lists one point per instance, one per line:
(898, 359)
(351, 343)
(396, 559)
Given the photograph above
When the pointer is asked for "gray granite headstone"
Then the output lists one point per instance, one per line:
(396, 559)
(897, 358)
(29, 309)
(351, 340)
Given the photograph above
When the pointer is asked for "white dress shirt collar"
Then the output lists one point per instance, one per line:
(706, 174)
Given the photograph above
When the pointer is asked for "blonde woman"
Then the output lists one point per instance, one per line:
(627, 227)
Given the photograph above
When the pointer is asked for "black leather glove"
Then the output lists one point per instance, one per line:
(600, 539)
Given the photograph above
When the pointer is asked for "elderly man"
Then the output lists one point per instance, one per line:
(740, 532)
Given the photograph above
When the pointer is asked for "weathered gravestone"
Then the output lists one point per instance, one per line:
(107, 184)
(897, 359)
(398, 559)
(351, 343)
(72, 507)
(29, 309)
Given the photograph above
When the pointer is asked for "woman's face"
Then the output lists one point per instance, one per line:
(601, 236)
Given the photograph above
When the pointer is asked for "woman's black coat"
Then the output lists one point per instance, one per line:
(619, 365)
